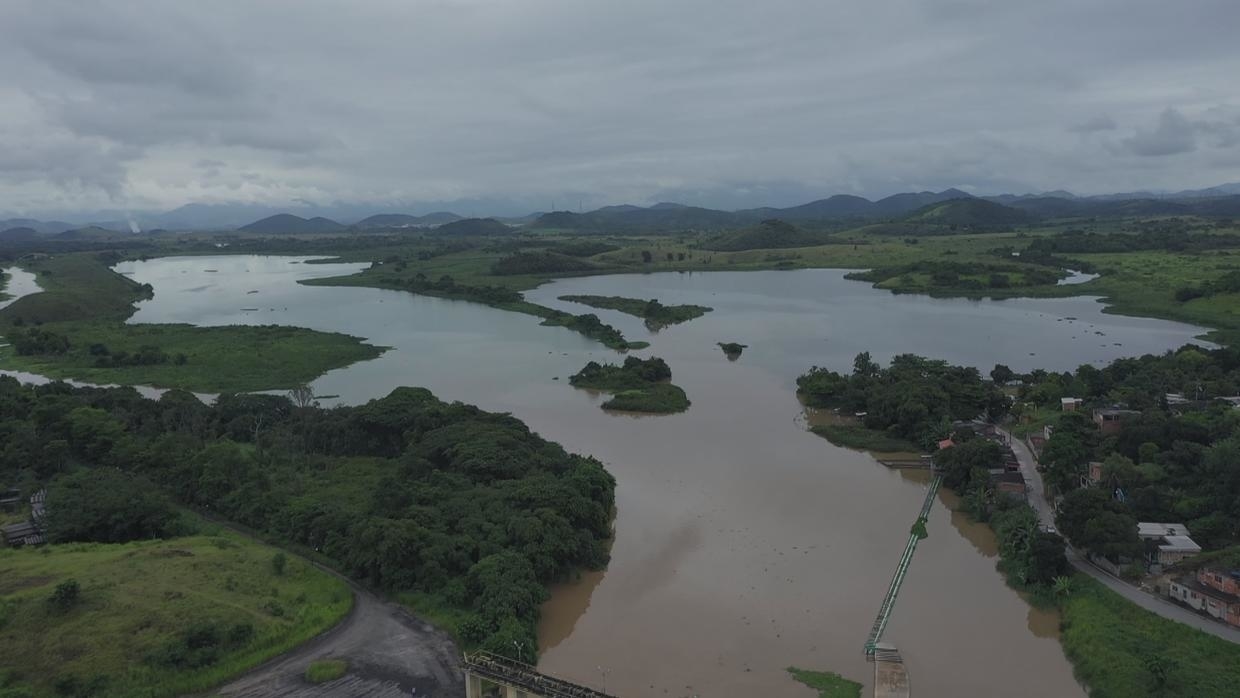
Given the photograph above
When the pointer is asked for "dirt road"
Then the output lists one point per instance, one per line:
(390, 653)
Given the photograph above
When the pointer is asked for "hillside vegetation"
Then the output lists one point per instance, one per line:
(971, 213)
(475, 226)
(154, 618)
(767, 235)
(468, 509)
(288, 224)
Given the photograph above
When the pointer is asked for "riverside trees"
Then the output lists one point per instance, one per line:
(914, 398)
(406, 492)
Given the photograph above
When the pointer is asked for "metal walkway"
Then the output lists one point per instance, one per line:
(519, 677)
(889, 601)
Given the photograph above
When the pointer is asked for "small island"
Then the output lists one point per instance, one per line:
(638, 385)
(656, 315)
(732, 350)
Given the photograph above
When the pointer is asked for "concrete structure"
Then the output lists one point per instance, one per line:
(1110, 420)
(489, 674)
(1010, 482)
(1167, 543)
(1176, 548)
(1070, 404)
(1095, 472)
(1201, 594)
(28, 532)
(1154, 531)
(890, 674)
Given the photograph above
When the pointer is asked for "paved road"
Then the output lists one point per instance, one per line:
(1150, 602)
(390, 653)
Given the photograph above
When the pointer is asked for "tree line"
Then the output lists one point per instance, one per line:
(406, 492)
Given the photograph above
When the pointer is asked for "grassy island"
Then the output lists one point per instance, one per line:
(76, 328)
(590, 326)
(636, 386)
(732, 350)
(495, 296)
(828, 683)
(656, 315)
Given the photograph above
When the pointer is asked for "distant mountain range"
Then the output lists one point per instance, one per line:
(919, 207)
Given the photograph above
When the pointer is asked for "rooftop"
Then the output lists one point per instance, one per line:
(1179, 544)
(1161, 530)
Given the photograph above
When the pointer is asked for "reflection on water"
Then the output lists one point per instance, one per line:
(744, 544)
(20, 283)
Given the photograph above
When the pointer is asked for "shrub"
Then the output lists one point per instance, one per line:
(325, 670)
(65, 596)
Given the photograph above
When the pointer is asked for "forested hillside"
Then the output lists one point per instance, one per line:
(408, 493)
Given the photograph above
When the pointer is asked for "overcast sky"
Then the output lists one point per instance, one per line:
(150, 105)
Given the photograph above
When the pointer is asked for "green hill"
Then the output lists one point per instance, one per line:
(767, 235)
(475, 226)
(971, 213)
(288, 224)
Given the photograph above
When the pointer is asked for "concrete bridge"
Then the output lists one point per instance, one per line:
(890, 676)
(489, 674)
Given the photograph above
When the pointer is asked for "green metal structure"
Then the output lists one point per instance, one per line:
(889, 601)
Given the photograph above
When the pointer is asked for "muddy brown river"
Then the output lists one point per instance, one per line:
(744, 544)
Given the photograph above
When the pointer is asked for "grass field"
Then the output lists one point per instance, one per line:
(1120, 650)
(87, 302)
(218, 359)
(862, 439)
(139, 603)
(1144, 284)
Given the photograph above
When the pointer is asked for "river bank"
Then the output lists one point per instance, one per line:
(743, 543)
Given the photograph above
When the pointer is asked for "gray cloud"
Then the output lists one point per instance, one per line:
(1095, 124)
(122, 103)
(1174, 134)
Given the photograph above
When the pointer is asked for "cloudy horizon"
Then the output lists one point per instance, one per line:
(147, 106)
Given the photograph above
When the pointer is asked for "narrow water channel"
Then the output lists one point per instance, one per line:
(744, 544)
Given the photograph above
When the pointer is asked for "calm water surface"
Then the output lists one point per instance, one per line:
(744, 544)
(19, 283)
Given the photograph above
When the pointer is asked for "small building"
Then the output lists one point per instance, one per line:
(24, 533)
(1173, 549)
(1205, 598)
(1095, 472)
(1154, 531)
(1167, 543)
(1175, 399)
(1110, 420)
(946, 443)
(1009, 482)
(1070, 404)
(1227, 581)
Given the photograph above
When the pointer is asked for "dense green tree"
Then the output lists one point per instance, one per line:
(106, 505)
(1093, 520)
